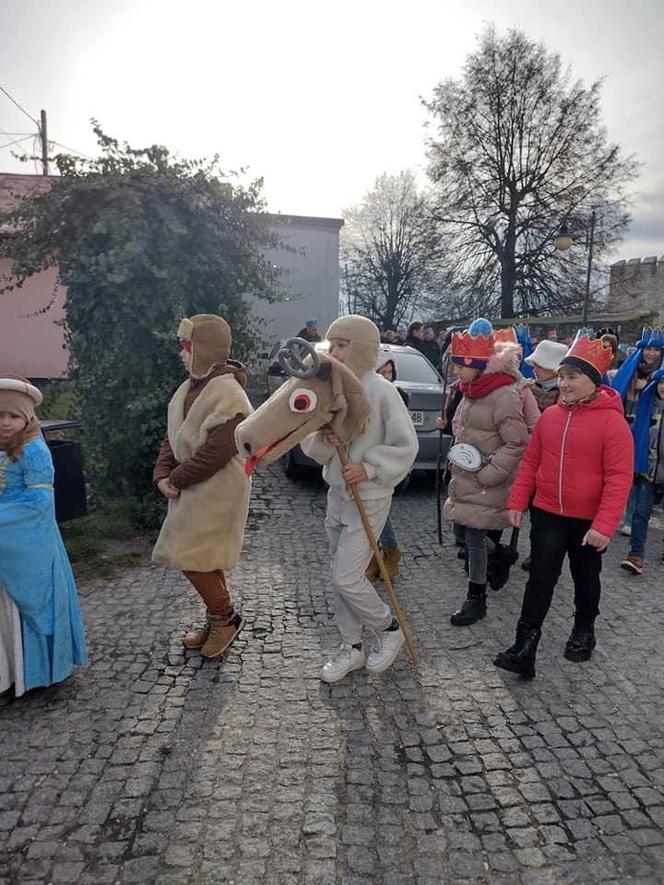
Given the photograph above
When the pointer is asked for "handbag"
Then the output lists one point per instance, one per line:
(467, 457)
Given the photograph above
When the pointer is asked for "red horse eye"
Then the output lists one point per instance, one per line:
(302, 400)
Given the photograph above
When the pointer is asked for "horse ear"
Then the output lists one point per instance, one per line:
(324, 372)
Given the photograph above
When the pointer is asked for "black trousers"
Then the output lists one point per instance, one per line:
(551, 537)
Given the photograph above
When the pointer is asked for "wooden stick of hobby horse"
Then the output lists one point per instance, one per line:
(343, 457)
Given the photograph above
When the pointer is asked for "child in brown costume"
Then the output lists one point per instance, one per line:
(199, 471)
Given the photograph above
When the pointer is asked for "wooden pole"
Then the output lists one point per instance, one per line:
(44, 143)
(343, 457)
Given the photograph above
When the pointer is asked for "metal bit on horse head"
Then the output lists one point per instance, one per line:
(293, 359)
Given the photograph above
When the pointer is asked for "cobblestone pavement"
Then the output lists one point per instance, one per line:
(154, 766)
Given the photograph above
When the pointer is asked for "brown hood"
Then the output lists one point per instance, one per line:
(210, 338)
(230, 367)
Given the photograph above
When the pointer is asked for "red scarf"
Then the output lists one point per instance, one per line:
(485, 384)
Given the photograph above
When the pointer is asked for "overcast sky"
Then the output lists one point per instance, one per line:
(318, 98)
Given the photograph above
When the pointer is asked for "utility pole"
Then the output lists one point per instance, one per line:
(44, 143)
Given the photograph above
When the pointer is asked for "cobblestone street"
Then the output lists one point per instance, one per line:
(153, 766)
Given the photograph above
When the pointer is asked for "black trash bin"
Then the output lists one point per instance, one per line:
(69, 487)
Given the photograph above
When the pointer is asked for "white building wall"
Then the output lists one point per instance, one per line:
(310, 275)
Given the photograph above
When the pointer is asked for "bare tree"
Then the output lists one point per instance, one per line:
(519, 149)
(392, 252)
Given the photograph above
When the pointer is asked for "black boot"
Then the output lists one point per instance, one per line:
(520, 658)
(474, 607)
(580, 644)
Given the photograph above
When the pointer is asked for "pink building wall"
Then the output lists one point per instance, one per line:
(31, 343)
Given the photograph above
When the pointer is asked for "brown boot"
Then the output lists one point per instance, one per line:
(197, 638)
(372, 571)
(223, 632)
(392, 557)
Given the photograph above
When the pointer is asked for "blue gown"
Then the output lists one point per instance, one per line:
(35, 569)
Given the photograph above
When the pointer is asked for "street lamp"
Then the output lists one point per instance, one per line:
(563, 240)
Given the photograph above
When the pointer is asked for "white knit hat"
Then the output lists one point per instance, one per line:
(548, 355)
(364, 340)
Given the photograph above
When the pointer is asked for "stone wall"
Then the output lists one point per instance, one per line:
(637, 286)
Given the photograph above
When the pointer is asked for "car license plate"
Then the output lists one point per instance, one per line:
(417, 418)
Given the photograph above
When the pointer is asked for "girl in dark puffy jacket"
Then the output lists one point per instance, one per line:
(578, 466)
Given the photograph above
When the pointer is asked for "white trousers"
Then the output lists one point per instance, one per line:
(356, 602)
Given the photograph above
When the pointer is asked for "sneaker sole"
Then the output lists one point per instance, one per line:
(230, 642)
(631, 568)
(331, 681)
(388, 662)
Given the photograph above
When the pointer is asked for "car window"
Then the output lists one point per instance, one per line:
(414, 367)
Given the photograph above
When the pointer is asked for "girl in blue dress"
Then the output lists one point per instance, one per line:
(41, 631)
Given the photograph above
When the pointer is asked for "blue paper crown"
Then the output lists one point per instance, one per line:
(651, 336)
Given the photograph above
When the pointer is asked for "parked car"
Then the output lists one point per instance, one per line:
(422, 386)
(267, 362)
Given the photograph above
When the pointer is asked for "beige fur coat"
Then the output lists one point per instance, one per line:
(204, 527)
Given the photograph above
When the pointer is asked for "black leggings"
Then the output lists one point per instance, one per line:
(551, 537)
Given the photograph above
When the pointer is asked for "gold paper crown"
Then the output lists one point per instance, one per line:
(471, 347)
(595, 351)
(505, 335)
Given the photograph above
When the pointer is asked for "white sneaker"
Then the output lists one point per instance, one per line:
(388, 647)
(626, 530)
(344, 662)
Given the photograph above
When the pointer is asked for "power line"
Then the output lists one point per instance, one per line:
(13, 100)
(25, 153)
(73, 150)
(16, 140)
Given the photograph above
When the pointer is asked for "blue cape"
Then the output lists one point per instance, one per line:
(641, 423)
(523, 337)
(624, 375)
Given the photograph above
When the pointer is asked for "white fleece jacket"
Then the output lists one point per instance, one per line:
(387, 447)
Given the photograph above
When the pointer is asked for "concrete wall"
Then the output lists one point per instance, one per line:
(637, 286)
(310, 275)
